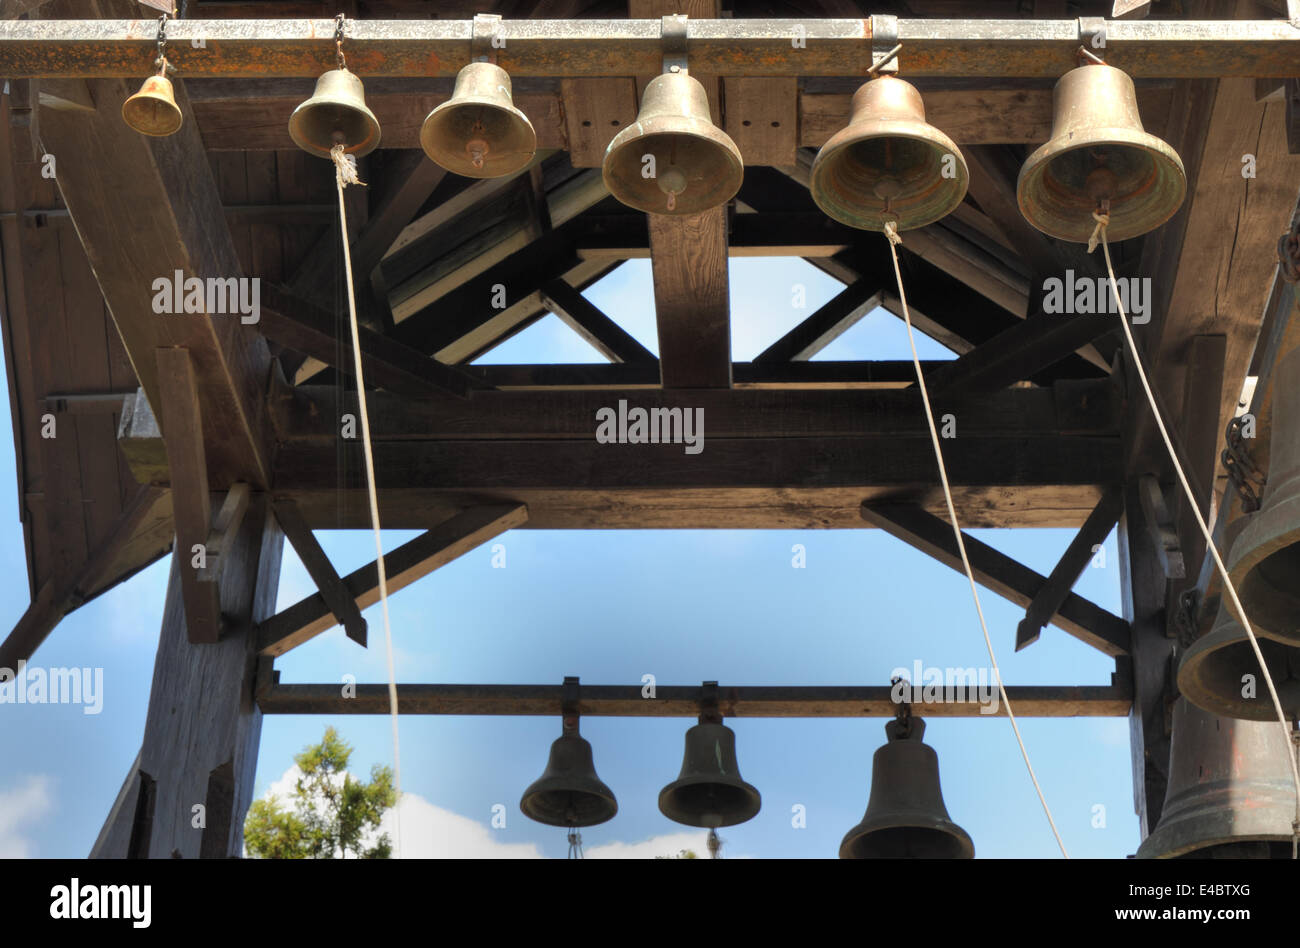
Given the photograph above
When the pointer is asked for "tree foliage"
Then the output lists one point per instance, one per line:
(333, 814)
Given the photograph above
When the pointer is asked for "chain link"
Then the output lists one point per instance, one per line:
(1246, 477)
(338, 41)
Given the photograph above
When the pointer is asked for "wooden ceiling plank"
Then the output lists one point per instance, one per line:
(688, 260)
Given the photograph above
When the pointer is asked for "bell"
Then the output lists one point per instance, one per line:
(1230, 791)
(335, 114)
(1213, 672)
(694, 164)
(569, 793)
(709, 791)
(153, 110)
(1264, 563)
(905, 817)
(888, 163)
(1099, 158)
(478, 132)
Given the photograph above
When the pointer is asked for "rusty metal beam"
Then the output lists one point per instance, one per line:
(579, 48)
(1043, 701)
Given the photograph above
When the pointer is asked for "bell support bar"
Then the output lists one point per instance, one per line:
(685, 701)
(592, 48)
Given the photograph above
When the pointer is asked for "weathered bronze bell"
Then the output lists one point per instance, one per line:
(153, 110)
(1219, 672)
(335, 114)
(1230, 790)
(888, 163)
(906, 817)
(569, 793)
(1099, 158)
(1264, 562)
(673, 159)
(478, 132)
(709, 790)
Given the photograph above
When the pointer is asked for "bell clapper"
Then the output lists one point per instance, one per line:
(477, 147)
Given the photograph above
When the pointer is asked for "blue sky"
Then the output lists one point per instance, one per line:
(610, 607)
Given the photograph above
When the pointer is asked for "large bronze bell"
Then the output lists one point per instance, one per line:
(1264, 563)
(569, 793)
(888, 163)
(1212, 672)
(153, 110)
(906, 817)
(1099, 158)
(709, 790)
(478, 132)
(695, 164)
(1230, 790)
(335, 114)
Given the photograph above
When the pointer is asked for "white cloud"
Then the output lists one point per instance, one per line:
(19, 808)
(670, 844)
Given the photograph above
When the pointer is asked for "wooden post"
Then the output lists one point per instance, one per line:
(199, 756)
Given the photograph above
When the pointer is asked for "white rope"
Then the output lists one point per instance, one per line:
(1099, 235)
(345, 173)
(892, 234)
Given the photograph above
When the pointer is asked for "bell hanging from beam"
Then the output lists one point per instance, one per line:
(153, 110)
(709, 790)
(1265, 560)
(336, 114)
(569, 793)
(1099, 158)
(1230, 790)
(888, 163)
(478, 132)
(906, 817)
(673, 159)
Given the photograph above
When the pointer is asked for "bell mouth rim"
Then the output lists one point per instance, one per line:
(965, 844)
(1162, 154)
(1196, 689)
(1162, 832)
(169, 129)
(735, 167)
(362, 148)
(647, 128)
(746, 815)
(535, 815)
(1262, 538)
(482, 102)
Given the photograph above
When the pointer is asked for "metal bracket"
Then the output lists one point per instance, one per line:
(487, 26)
(1164, 534)
(569, 692)
(710, 713)
(1185, 617)
(672, 33)
(1091, 27)
(884, 37)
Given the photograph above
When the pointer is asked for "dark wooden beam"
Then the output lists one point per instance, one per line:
(1084, 620)
(692, 304)
(1051, 597)
(763, 701)
(603, 334)
(337, 597)
(311, 616)
(826, 325)
(182, 419)
(846, 375)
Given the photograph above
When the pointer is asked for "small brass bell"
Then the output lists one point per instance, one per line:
(709, 790)
(478, 132)
(888, 163)
(153, 110)
(673, 159)
(335, 114)
(1099, 158)
(1264, 563)
(906, 817)
(569, 793)
(1230, 791)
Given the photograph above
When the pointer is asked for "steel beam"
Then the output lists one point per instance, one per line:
(588, 48)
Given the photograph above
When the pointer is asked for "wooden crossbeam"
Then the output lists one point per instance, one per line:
(1050, 598)
(1081, 618)
(807, 375)
(763, 701)
(688, 260)
(603, 334)
(335, 593)
(826, 325)
(311, 616)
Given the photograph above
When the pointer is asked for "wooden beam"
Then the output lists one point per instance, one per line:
(603, 334)
(826, 325)
(763, 701)
(337, 597)
(1084, 620)
(692, 303)
(762, 118)
(1049, 599)
(793, 375)
(224, 530)
(311, 616)
(183, 420)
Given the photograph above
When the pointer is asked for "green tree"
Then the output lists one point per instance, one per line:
(682, 854)
(332, 814)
